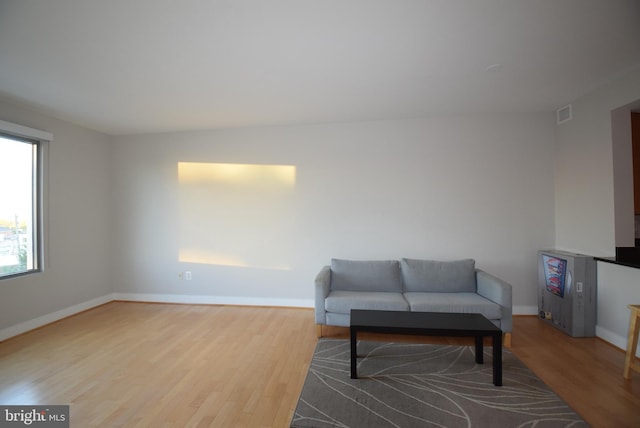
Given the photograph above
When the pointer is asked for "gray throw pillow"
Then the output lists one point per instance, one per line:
(456, 276)
(366, 275)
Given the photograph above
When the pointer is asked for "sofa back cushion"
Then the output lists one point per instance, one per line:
(371, 275)
(456, 276)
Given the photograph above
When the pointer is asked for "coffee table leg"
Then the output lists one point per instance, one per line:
(479, 350)
(354, 353)
(497, 359)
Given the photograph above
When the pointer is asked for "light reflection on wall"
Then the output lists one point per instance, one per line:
(236, 214)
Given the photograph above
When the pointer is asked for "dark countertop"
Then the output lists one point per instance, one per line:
(625, 256)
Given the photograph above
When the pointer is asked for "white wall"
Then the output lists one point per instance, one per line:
(442, 187)
(78, 239)
(585, 214)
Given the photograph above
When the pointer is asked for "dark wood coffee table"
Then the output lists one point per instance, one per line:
(428, 324)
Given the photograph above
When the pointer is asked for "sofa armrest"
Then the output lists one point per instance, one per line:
(500, 292)
(322, 287)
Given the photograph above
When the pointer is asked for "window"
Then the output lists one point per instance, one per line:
(22, 152)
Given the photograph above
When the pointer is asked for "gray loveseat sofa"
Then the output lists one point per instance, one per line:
(410, 285)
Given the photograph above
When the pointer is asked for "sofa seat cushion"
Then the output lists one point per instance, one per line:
(343, 301)
(457, 276)
(453, 302)
(366, 275)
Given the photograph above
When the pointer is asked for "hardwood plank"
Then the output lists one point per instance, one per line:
(136, 365)
(586, 372)
(129, 364)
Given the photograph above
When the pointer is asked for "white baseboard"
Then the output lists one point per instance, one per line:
(607, 335)
(613, 338)
(23, 327)
(525, 310)
(214, 300)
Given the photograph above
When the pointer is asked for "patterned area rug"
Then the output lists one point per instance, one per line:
(416, 385)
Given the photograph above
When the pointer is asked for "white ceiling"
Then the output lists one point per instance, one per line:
(139, 66)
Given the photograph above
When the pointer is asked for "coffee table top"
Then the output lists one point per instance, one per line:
(444, 321)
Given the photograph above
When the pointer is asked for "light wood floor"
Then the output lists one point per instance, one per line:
(132, 364)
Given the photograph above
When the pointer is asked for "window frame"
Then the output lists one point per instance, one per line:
(41, 140)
